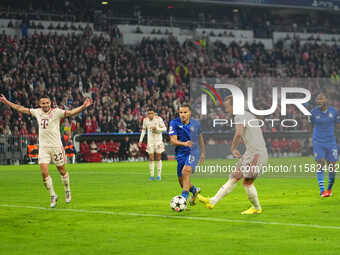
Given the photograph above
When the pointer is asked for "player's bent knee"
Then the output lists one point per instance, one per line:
(62, 169)
(237, 175)
(186, 170)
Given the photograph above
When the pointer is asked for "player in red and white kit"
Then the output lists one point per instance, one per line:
(249, 165)
(155, 127)
(50, 146)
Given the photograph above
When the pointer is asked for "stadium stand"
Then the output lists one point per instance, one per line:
(126, 67)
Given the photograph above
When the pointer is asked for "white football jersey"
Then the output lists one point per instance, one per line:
(252, 135)
(154, 137)
(49, 126)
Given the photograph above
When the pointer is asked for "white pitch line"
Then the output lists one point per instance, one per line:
(208, 219)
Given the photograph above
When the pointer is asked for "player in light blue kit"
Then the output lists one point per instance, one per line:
(185, 134)
(324, 119)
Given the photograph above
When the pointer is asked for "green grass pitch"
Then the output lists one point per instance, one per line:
(117, 210)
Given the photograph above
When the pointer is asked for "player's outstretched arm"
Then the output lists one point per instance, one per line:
(79, 109)
(236, 141)
(16, 107)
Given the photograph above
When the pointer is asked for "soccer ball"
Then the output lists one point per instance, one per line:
(178, 204)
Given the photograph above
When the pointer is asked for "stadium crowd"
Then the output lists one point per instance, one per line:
(123, 80)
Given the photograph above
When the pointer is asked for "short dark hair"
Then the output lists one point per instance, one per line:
(229, 98)
(150, 108)
(185, 105)
(45, 96)
(322, 93)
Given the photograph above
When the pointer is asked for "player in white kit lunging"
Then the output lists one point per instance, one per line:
(250, 164)
(155, 127)
(50, 146)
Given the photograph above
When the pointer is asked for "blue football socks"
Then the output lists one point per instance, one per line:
(185, 194)
(193, 189)
(321, 180)
(331, 179)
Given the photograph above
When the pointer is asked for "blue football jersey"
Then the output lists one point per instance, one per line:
(189, 132)
(324, 125)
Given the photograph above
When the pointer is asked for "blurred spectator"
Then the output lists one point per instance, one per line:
(284, 146)
(295, 146)
(142, 151)
(335, 78)
(88, 125)
(113, 150)
(33, 136)
(134, 151)
(94, 155)
(124, 149)
(84, 150)
(104, 150)
(94, 124)
(7, 131)
(276, 146)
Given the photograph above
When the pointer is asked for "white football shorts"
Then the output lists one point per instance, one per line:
(55, 155)
(250, 165)
(155, 148)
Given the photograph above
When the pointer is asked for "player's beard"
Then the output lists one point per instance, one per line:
(323, 106)
(46, 109)
(184, 120)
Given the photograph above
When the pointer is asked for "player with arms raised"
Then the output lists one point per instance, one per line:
(155, 127)
(324, 119)
(50, 146)
(185, 134)
(250, 163)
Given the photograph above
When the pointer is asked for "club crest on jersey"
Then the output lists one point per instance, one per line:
(318, 117)
(330, 115)
(191, 159)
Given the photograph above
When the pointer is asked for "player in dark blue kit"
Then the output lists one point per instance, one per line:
(324, 119)
(185, 134)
